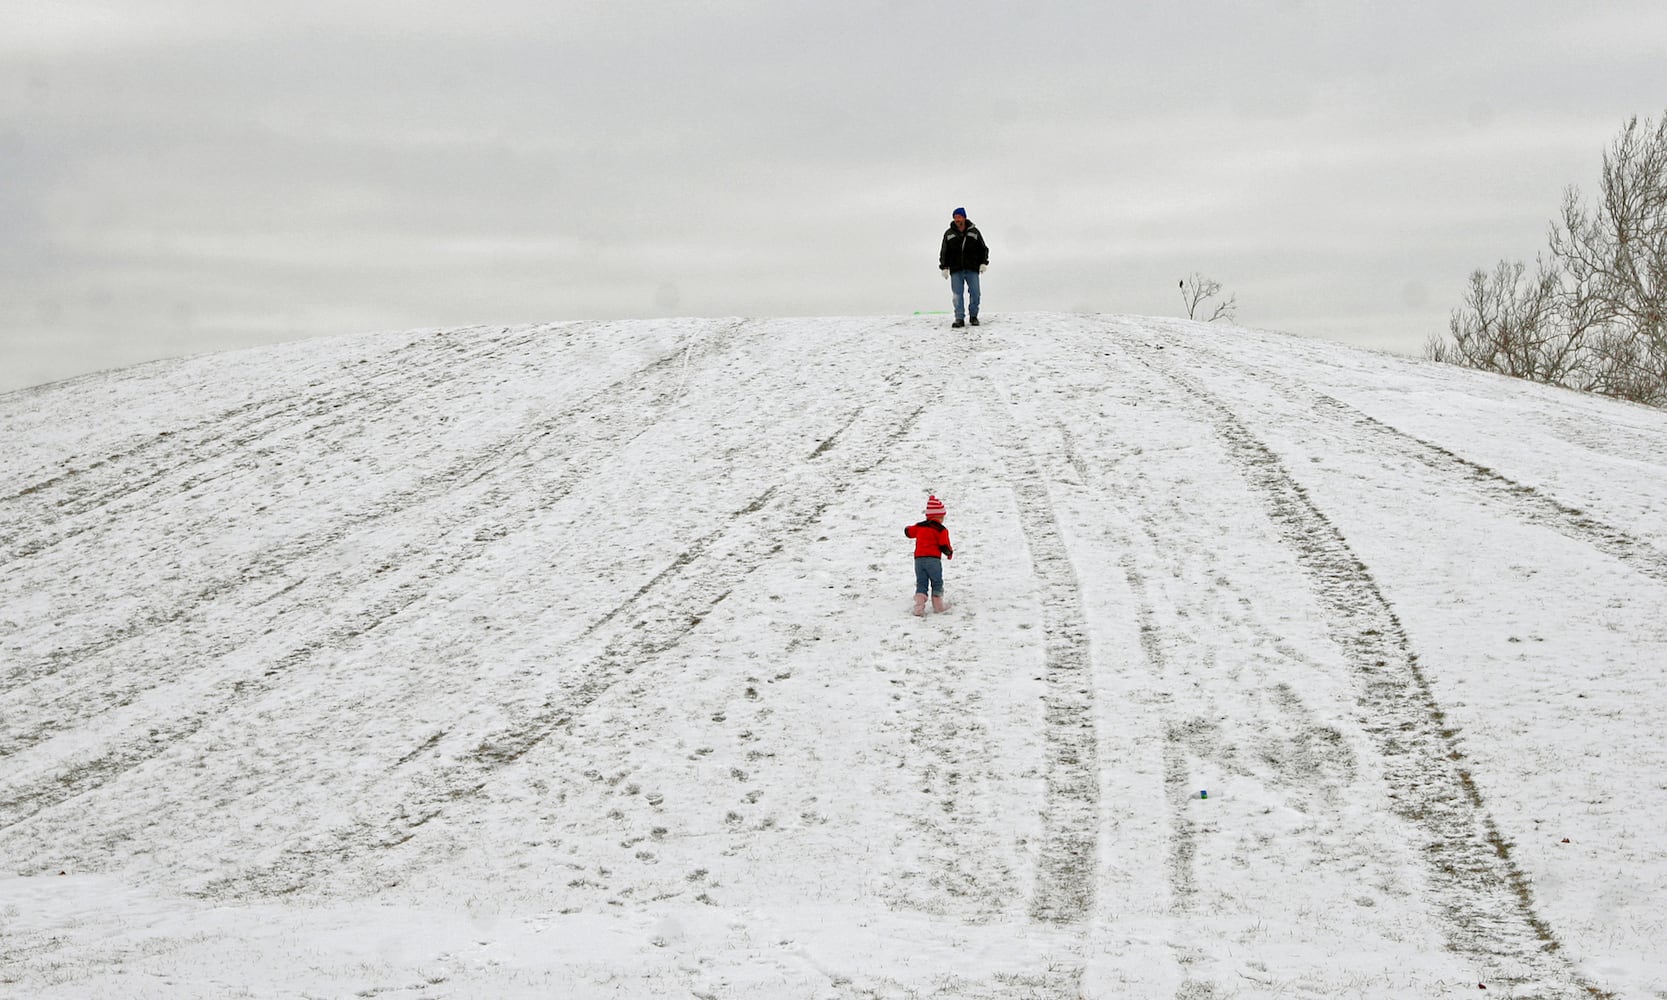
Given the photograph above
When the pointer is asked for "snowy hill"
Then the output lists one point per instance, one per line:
(575, 661)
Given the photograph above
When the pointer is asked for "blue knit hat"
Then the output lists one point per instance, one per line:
(959, 211)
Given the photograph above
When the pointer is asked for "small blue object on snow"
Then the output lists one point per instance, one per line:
(1203, 794)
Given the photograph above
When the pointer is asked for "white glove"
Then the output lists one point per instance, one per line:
(981, 268)
(945, 271)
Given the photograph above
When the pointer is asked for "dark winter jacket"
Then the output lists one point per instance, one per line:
(963, 248)
(931, 539)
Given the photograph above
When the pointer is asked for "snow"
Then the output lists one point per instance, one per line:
(575, 660)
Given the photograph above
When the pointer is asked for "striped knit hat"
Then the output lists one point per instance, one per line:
(934, 508)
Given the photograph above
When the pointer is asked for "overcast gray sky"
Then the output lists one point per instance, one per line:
(179, 177)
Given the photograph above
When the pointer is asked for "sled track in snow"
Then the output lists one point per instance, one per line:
(1067, 869)
(1183, 845)
(68, 497)
(1528, 503)
(173, 459)
(666, 609)
(410, 574)
(1483, 897)
(1183, 831)
(1311, 767)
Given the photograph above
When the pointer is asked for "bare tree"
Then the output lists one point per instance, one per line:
(1593, 316)
(1614, 260)
(1624, 366)
(1196, 293)
(1510, 324)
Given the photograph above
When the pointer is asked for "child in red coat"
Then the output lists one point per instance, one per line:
(931, 543)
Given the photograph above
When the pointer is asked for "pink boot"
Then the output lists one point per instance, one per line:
(920, 604)
(939, 605)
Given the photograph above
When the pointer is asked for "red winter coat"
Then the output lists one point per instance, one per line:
(931, 539)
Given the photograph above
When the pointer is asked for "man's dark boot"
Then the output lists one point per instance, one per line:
(957, 325)
(974, 321)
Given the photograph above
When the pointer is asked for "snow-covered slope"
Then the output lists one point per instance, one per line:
(574, 661)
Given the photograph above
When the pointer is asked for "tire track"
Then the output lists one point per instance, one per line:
(1067, 870)
(174, 454)
(1482, 896)
(1312, 768)
(1183, 848)
(667, 609)
(1528, 503)
(412, 572)
(283, 562)
(1179, 741)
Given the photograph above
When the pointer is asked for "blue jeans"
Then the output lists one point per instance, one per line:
(969, 279)
(929, 571)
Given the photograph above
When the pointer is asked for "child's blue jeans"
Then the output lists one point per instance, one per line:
(929, 571)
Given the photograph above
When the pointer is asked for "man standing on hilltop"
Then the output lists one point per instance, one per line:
(962, 258)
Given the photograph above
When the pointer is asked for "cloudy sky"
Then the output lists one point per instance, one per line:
(179, 177)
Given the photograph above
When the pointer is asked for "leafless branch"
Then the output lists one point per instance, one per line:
(1196, 293)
